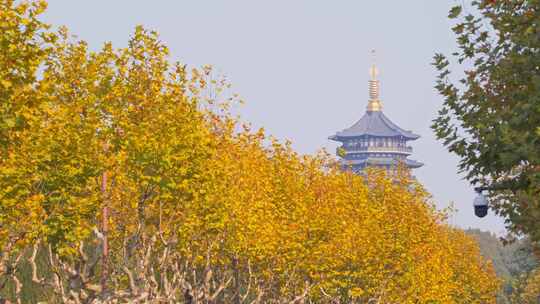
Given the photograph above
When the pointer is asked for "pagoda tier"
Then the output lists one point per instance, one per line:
(375, 141)
(374, 124)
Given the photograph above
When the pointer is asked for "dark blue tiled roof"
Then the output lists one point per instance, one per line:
(374, 123)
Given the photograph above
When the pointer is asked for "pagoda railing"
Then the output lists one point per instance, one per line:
(392, 149)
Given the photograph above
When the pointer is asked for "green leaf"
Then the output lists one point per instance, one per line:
(454, 12)
(341, 152)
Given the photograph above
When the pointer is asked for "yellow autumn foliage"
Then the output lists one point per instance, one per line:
(188, 182)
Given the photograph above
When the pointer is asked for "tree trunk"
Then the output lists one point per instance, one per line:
(236, 299)
(104, 231)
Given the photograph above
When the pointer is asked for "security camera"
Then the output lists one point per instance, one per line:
(480, 205)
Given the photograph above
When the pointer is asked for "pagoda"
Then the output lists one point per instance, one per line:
(374, 140)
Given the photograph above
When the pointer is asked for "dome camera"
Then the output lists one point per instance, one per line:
(480, 205)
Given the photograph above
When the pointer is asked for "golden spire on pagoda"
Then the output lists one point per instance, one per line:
(374, 103)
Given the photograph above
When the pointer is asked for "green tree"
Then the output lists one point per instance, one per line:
(491, 116)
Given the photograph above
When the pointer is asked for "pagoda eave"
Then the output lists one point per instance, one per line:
(383, 162)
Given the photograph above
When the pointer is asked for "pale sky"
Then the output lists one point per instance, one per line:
(302, 66)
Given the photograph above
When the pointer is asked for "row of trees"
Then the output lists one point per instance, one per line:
(123, 180)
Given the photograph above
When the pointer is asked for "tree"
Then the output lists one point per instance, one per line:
(25, 43)
(491, 117)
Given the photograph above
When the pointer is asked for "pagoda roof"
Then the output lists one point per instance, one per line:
(374, 123)
(384, 162)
